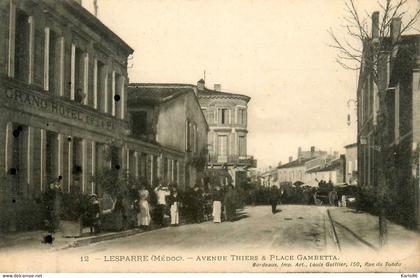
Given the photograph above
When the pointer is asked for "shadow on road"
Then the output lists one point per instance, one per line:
(240, 216)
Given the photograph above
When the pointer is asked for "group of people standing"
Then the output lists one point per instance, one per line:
(194, 201)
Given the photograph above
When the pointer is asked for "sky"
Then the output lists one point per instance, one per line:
(275, 51)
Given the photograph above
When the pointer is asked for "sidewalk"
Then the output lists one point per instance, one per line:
(35, 238)
(364, 227)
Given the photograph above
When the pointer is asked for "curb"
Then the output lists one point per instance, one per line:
(334, 232)
(6, 243)
(86, 241)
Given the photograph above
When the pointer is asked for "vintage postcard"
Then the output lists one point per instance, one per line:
(209, 136)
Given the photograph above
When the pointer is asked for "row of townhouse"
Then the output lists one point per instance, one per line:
(311, 167)
(69, 113)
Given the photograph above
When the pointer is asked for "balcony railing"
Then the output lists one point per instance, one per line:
(247, 161)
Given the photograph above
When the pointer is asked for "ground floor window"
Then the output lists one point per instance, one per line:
(51, 156)
(19, 162)
(115, 158)
(77, 164)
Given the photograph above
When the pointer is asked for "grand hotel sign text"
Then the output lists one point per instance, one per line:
(61, 109)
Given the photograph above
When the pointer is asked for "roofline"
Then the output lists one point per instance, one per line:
(222, 94)
(163, 85)
(323, 170)
(198, 103)
(284, 166)
(350, 145)
(218, 94)
(226, 95)
(90, 18)
(167, 99)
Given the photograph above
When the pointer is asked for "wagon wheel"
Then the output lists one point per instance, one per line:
(317, 201)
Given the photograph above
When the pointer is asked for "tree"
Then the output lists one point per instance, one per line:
(367, 48)
(362, 46)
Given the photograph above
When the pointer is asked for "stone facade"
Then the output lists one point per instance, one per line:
(333, 170)
(394, 99)
(172, 117)
(227, 117)
(351, 164)
(63, 101)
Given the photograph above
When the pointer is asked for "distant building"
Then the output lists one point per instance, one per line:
(227, 117)
(351, 164)
(295, 171)
(269, 177)
(395, 99)
(170, 116)
(311, 153)
(333, 171)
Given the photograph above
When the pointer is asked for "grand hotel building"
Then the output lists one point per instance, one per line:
(63, 105)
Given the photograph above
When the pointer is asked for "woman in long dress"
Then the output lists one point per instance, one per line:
(217, 204)
(174, 205)
(143, 217)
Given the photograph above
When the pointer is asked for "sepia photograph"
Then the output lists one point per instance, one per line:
(209, 136)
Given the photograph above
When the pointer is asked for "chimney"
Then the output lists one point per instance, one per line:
(312, 151)
(279, 164)
(218, 87)
(375, 24)
(299, 152)
(201, 84)
(290, 158)
(395, 29)
(95, 7)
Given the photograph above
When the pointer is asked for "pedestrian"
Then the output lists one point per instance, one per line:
(197, 204)
(230, 204)
(93, 214)
(121, 213)
(333, 197)
(174, 206)
(274, 198)
(188, 203)
(217, 196)
(161, 192)
(143, 217)
(52, 205)
(343, 200)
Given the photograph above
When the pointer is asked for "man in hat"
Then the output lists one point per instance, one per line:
(161, 192)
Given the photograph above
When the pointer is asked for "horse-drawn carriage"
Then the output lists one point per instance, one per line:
(325, 194)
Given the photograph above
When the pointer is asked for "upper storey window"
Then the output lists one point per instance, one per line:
(54, 64)
(241, 116)
(101, 85)
(22, 46)
(139, 121)
(223, 116)
(79, 76)
(190, 136)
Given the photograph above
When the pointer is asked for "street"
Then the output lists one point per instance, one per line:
(293, 227)
(339, 234)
